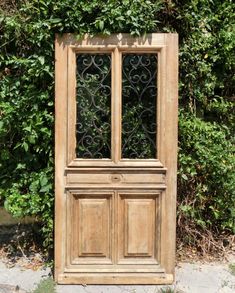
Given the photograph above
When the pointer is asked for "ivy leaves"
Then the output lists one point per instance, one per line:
(206, 129)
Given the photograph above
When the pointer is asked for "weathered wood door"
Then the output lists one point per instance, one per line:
(115, 159)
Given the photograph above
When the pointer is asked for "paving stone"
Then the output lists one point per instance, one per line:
(10, 289)
(190, 278)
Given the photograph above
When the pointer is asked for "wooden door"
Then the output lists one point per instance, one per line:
(115, 159)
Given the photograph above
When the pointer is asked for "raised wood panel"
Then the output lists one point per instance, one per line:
(139, 217)
(138, 233)
(90, 224)
(93, 227)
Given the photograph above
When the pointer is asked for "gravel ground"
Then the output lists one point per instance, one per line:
(190, 278)
(26, 279)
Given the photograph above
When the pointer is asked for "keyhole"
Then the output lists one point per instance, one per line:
(115, 178)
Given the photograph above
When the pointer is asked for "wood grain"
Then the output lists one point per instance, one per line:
(115, 218)
(60, 151)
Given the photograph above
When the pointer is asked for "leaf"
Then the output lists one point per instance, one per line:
(101, 25)
(46, 188)
(41, 59)
(25, 146)
(43, 181)
(55, 20)
(185, 177)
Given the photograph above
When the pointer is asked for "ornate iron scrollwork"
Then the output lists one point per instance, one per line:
(139, 95)
(93, 128)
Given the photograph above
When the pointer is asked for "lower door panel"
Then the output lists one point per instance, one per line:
(90, 227)
(138, 227)
(112, 235)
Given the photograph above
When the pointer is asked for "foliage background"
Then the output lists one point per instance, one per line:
(206, 28)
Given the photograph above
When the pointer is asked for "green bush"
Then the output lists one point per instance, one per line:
(206, 174)
(206, 127)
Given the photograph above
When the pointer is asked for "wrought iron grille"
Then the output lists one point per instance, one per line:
(93, 127)
(139, 95)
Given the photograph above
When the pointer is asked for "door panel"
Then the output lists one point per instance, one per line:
(139, 220)
(93, 125)
(115, 159)
(138, 234)
(90, 224)
(139, 106)
(93, 227)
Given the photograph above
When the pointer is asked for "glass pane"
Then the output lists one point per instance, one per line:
(139, 96)
(93, 129)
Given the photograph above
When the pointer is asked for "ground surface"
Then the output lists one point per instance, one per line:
(190, 278)
(21, 268)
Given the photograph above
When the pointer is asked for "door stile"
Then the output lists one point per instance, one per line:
(161, 110)
(170, 153)
(116, 106)
(158, 120)
(61, 65)
(158, 214)
(115, 238)
(71, 101)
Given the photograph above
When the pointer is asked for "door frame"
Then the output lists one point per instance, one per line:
(166, 46)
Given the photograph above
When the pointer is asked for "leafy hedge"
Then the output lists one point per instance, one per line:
(206, 185)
